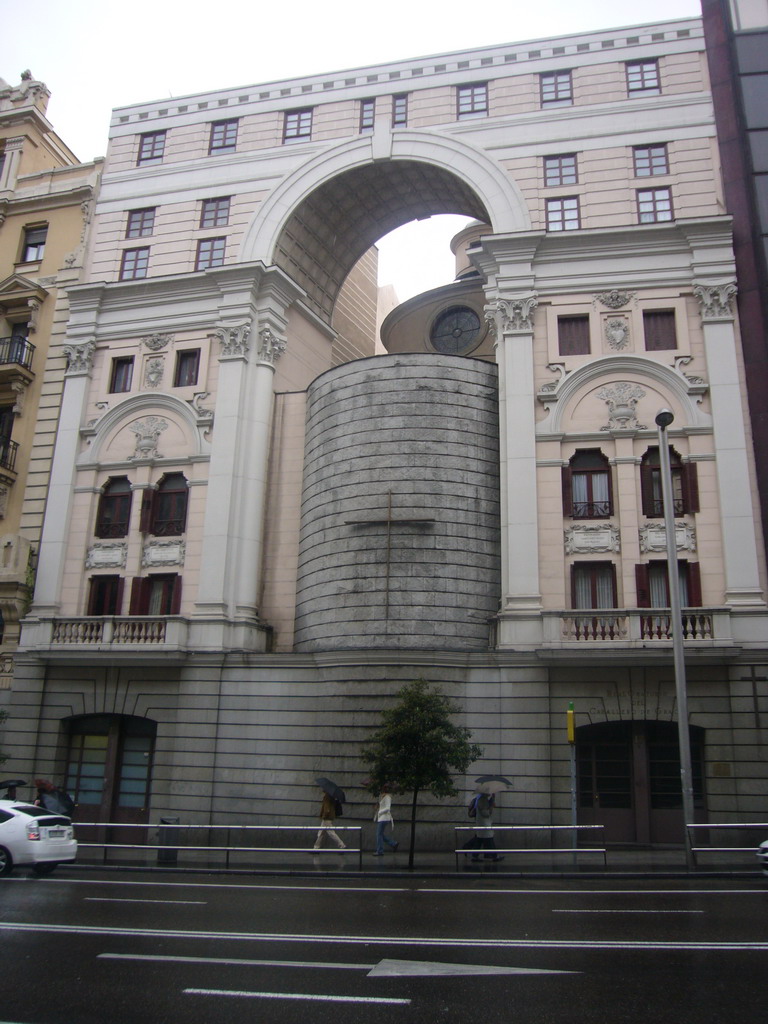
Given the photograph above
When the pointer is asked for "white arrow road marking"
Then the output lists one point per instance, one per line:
(222, 961)
(294, 995)
(425, 968)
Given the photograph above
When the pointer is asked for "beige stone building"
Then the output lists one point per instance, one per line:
(258, 528)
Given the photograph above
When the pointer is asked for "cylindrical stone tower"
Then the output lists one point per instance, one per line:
(400, 514)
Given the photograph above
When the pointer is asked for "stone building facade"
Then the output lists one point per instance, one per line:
(257, 529)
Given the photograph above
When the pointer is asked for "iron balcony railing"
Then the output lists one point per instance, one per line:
(8, 452)
(16, 350)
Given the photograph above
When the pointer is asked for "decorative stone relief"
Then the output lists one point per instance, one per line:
(621, 399)
(79, 358)
(681, 361)
(107, 555)
(34, 308)
(653, 537)
(552, 385)
(512, 316)
(614, 299)
(147, 433)
(585, 538)
(715, 301)
(617, 333)
(156, 342)
(203, 415)
(163, 552)
(19, 389)
(153, 372)
(235, 341)
(270, 346)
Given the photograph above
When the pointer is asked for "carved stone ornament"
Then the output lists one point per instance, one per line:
(715, 301)
(680, 362)
(19, 389)
(653, 537)
(235, 341)
(79, 358)
(585, 538)
(512, 316)
(107, 555)
(156, 342)
(617, 333)
(270, 346)
(163, 552)
(147, 433)
(621, 399)
(203, 414)
(153, 372)
(552, 385)
(614, 299)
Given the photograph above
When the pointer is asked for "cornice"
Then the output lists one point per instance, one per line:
(15, 204)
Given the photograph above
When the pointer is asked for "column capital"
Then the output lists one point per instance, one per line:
(715, 301)
(512, 316)
(79, 358)
(234, 339)
(271, 347)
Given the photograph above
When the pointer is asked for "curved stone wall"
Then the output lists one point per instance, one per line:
(400, 513)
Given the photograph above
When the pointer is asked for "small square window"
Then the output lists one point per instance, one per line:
(140, 223)
(659, 329)
(210, 253)
(560, 170)
(643, 77)
(223, 137)
(215, 212)
(650, 160)
(400, 110)
(367, 115)
(563, 214)
(573, 335)
(122, 375)
(556, 89)
(134, 264)
(654, 205)
(472, 100)
(187, 368)
(33, 245)
(297, 125)
(151, 148)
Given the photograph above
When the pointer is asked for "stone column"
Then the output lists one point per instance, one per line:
(740, 554)
(12, 151)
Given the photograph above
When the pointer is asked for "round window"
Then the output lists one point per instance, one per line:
(455, 330)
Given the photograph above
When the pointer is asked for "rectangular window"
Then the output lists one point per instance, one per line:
(652, 582)
(297, 125)
(654, 205)
(400, 110)
(156, 595)
(151, 148)
(223, 137)
(187, 367)
(105, 595)
(556, 88)
(215, 212)
(593, 585)
(563, 214)
(650, 160)
(122, 375)
(367, 115)
(643, 77)
(134, 264)
(659, 329)
(472, 100)
(140, 223)
(33, 245)
(573, 335)
(560, 170)
(210, 253)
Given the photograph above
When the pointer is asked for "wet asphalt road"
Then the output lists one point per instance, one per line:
(89, 948)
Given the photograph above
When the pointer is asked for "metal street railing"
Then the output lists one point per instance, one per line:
(574, 850)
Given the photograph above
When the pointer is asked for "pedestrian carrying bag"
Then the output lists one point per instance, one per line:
(472, 809)
(338, 807)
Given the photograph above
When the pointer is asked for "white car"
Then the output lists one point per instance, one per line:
(35, 837)
(762, 853)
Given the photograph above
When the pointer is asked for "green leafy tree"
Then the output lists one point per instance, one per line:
(418, 748)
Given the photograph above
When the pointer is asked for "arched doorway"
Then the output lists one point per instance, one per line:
(628, 779)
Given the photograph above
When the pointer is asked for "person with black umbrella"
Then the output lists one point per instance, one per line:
(328, 811)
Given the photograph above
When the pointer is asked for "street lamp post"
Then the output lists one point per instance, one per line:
(663, 419)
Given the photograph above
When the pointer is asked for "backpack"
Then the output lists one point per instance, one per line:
(472, 809)
(338, 806)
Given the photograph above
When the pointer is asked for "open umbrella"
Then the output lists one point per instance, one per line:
(334, 792)
(491, 784)
(10, 785)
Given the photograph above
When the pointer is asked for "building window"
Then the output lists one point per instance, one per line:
(587, 492)
(400, 110)
(140, 223)
(187, 367)
(210, 253)
(643, 77)
(472, 100)
(593, 585)
(122, 375)
(297, 125)
(6, 423)
(134, 264)
(223, 137)
(556, 89)
(654, 205)
(151, 148)
(215, 212)
(367, 115)
(659, 329)
(105, 595)
(563, 214)
(17, 348)
(455, 330)
(164, 510)
(33, 244)
(156, 595)
(650, 160)
(573, 335)
(652, 581)
(560, 170)
(685, 485)
(114, 512)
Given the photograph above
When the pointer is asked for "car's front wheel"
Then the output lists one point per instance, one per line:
(45, 868)
(6, 861)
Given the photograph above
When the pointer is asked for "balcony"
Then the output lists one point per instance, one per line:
(636, 627)
(16, 352)
(107, 633)
(8, 452)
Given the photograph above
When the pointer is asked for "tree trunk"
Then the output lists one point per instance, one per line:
(413, 829)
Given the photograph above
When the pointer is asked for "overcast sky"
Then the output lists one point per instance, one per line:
(95, 55)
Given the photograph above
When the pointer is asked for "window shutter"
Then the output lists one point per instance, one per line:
(694, 585)
(176, 596)
(573, 586)
(642, 585)
(136, 596)
(119, 595)
(147, 510)
(690, 482)
(92, 596)
(646, 489)
(614, 586)
(567, 491)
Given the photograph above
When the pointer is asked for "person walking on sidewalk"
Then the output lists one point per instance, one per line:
(327, 820)
(383, 817)
(483, 831)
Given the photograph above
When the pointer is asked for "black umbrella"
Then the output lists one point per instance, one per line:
(491, 784)
(334, 792)
(10, 785)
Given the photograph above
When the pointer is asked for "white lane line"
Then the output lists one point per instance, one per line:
(599, 892)
(627, 911)
(116, 899)
(295, 995)
(233, 963)
(214, 885)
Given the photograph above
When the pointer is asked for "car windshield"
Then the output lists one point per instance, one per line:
(33, 811)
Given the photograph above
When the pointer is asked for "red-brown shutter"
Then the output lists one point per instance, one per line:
(176, 596)
(567, 492)
(690, 482)
(694, 585)
(147, 510)
(646, 489)
(119, 595)
(92, 596)
(137, 589)
(642, 585)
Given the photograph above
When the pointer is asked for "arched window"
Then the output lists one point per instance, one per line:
(587, 492)
(164, 514)
(685, 487)
(114, 511)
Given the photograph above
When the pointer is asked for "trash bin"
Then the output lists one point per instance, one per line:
(168, 838)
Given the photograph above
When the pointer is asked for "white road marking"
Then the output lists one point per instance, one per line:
(599, 892)
(214, 885)
(627, 911)
(116, 899)
(234, 962)
(295, 995)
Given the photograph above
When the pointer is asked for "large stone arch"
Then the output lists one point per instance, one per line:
(193, 428)
(321, 219)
